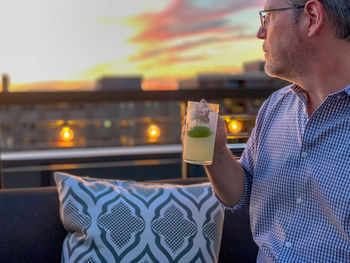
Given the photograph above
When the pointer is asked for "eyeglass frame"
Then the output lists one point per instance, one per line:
(263, 13)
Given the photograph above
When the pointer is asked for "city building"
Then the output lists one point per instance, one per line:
(45, 126)
(5, 82)
(253, 76)
(119, 83)
(254, 66)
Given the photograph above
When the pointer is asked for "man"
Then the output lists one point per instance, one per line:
(295, 171)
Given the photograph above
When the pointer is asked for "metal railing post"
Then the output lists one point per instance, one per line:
(184, 165)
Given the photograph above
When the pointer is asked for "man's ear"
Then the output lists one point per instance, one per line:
(315, 15)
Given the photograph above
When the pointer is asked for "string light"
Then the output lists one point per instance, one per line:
(153, 132)
(235, 126)
(66, 134)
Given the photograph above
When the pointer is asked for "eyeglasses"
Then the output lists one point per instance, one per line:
(264, 13)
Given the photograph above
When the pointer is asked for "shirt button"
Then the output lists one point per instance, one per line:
(288, 244)
(304, 109)
(304, 154)
(299, 200)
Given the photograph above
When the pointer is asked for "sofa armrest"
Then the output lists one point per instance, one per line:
(31, 230)
(237, 244)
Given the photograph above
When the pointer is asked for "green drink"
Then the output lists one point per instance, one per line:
(199, 139)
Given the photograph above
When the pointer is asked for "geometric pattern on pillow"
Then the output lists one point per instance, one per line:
(127, 221)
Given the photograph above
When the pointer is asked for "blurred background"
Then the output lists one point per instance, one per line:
(99, 88)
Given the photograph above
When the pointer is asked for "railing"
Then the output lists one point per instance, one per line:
(132, 95)
(32, 164)
(35, 168)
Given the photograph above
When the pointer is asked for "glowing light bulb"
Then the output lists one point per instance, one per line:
(235, 126)
(66, 134)
(153, 131)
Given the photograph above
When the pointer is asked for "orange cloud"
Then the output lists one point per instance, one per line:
(53, 86)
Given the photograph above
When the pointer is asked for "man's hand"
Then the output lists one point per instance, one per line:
(221, 136)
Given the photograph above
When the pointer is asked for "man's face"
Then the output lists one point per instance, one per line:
(284, 47)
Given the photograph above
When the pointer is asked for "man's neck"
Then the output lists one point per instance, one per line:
(318, 91)
(326, 77)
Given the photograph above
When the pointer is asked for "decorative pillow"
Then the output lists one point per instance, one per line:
(126, 221)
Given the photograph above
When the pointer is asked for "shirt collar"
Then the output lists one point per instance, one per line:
(347, 89)
(298, 90)
(287, 89)
(291, 88)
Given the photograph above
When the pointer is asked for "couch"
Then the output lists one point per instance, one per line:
(31, 230)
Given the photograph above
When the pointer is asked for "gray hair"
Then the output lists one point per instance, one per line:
(338, 13)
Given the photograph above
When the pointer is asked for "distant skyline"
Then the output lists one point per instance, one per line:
(72, 43)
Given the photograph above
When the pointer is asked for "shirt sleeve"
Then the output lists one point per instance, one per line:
(248, 177)
(248, 160)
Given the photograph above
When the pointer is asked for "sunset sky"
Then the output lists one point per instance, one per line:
(71, 43)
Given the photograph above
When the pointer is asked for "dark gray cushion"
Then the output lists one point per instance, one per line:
(237, 245)
(31, 230)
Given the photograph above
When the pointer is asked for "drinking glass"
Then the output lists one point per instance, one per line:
(200, 131)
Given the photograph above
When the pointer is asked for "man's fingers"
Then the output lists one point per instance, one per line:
(183, 132)
(183, 128)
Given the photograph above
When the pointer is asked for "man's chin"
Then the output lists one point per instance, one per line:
(274, 72)
(278, 74)
(268, 69)
(271, 74)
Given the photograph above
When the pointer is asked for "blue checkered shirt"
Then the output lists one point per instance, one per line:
(297, 178)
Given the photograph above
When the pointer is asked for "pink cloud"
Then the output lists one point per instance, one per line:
(186, 17)
(189, 45)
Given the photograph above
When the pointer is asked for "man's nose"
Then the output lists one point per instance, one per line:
(261, 34)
